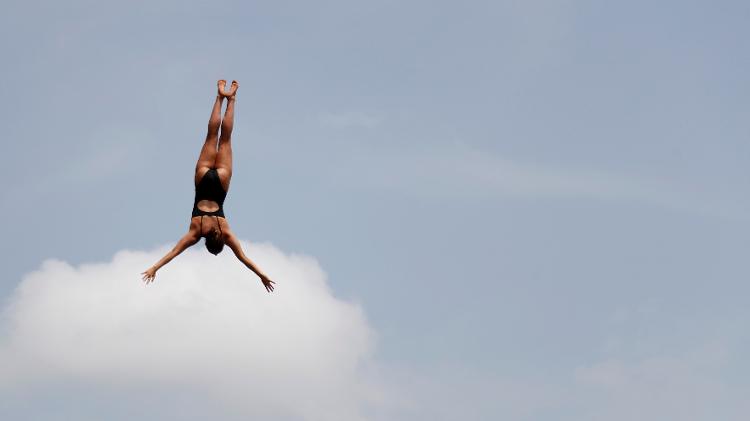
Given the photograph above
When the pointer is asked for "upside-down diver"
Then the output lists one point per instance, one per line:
(212, 175)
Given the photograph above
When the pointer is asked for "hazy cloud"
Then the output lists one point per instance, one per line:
(689, 385)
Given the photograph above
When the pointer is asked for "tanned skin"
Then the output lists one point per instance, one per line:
(219, 131)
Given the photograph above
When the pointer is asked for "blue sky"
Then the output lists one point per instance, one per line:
(540, 207)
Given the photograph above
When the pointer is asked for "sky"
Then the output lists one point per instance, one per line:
(473, 210)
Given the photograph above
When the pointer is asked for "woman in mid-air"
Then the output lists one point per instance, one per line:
(212, 174)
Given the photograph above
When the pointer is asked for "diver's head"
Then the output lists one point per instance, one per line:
(214, 242)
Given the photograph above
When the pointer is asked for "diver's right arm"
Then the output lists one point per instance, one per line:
(186, 241)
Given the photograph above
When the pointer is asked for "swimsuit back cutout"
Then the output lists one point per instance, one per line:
(209, 188)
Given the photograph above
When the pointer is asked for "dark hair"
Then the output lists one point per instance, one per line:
(214, 242)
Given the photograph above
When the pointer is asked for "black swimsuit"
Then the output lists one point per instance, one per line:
(209, 188)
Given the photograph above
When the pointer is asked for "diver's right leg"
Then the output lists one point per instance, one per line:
(207, 158)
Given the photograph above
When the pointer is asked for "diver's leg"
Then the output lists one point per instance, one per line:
(224, 157)
(207, 158)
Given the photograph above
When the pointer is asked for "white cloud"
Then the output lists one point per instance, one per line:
(207, 337)
(205, 325)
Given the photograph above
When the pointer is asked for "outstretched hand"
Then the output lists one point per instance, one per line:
(149, 275)
(267, 283)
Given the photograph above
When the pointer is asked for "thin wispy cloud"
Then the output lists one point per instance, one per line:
(462, 171)
(348, 119)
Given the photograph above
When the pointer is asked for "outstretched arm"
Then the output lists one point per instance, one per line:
(234, 244)
(186, 241)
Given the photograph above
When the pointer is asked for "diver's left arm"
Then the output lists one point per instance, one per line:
(233, 243)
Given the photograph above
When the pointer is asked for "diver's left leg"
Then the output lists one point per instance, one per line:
(224, 156)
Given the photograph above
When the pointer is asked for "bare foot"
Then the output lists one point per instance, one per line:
(233, 89)
(221, 84)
